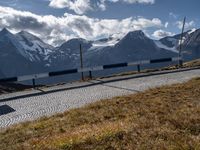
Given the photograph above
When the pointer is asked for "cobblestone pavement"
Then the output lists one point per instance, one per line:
(48, 101)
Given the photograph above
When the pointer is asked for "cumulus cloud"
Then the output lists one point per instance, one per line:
(161, 34)
(56, 30)
(188, 25)
(78, 6)
(82, 6)
(135, 1)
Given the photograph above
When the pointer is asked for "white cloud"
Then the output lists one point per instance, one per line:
(82, 6)
(78, 6)
(134, 1)
(166, 24)
(188, 25)
(56, 30)
(161, 34)
(173, 15)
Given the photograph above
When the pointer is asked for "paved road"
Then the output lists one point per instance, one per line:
(64, 97)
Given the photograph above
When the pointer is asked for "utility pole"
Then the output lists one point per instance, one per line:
(81, 59)
(180, 46)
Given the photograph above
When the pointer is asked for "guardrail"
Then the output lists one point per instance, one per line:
(33, 77)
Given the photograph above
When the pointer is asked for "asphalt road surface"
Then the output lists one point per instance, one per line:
(30, 105)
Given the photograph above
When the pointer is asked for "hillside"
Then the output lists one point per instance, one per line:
(161, 118)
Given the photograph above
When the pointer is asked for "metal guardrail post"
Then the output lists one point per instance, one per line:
(138, 68)
(90, 74)
(34, 85)
(180, 63)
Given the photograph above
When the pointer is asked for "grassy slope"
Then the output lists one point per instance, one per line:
(161, 118)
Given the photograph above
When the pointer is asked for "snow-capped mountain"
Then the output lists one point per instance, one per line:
(34, 48)
(134, 46)
(193, 39)
(8, 39)
(73, 46)
(24, 53)
(173, 48)
(191, 45)
(68, 54)
(13, 59)
(110, 41)
(172, 42)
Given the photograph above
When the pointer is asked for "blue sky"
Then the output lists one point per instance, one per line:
(56, 21)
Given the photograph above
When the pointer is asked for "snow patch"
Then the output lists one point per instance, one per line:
(160, 45)
(99, 43)
(193, 30)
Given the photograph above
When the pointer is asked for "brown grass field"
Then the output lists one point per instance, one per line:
(162, 118)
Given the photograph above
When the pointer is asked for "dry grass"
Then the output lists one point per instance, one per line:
(161, 118)
(193, 63)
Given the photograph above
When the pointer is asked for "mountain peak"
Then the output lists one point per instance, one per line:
(136, 34)
(136, 40)
(24, 32)
(5, 31)
(78, 40)
(28, 35)
(73, 45)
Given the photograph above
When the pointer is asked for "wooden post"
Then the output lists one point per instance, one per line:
(81, 60)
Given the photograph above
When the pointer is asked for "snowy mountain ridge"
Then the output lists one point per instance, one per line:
(172, 42)
(30, 54)
(35, 48)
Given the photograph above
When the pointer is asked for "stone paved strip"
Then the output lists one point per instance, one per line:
(36, 106)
